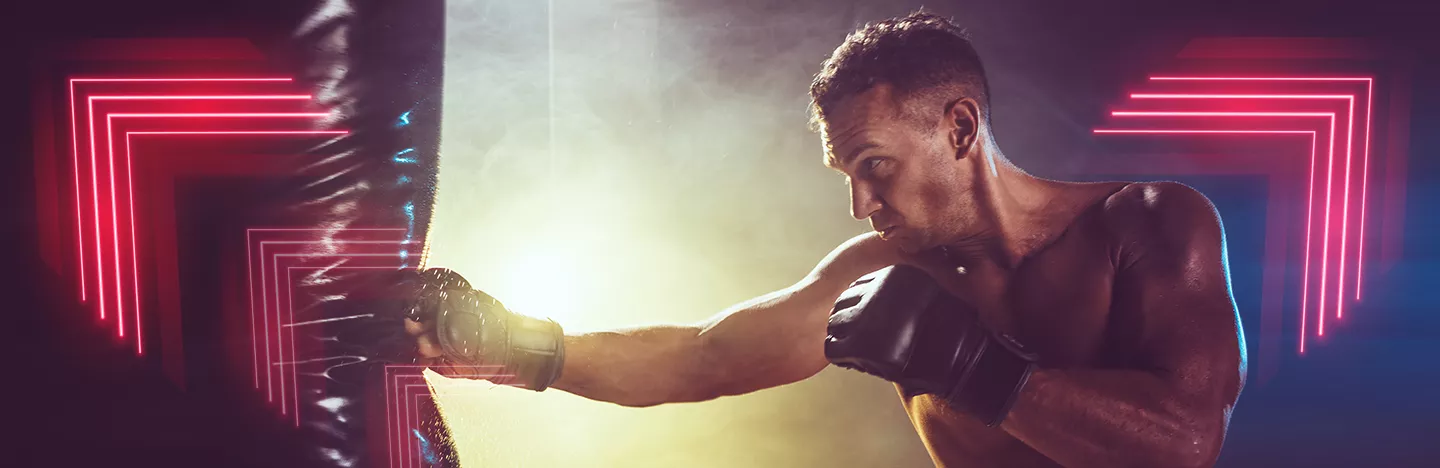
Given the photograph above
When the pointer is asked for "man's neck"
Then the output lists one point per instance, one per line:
(1019, 213)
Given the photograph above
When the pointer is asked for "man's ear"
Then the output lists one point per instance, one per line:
(962, 119)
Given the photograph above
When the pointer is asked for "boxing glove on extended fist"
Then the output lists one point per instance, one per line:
(900, 325)
(479, 337)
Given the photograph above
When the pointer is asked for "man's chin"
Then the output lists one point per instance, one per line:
(905, 243)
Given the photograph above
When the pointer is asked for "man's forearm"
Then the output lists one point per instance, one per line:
(637, 367)
(1117, 418)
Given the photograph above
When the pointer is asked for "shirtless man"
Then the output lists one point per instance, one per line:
(1119, 292)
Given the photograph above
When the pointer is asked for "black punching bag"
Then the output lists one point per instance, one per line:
(377, 65)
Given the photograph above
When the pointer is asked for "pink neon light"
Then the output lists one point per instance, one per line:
(1365, 174)
(1313, 138)
(1255, 78)
(222, 115)
(1345, 216)
(1364, 185)
(1184, 131)
(396, 405)
(115, 220)
(172, 80)
(95, 195)
(130, 186)
(94, 181)
(1325, 255)
(1325, 251)
(114, 224)
(1240, 96)
(75, 154)
(169, 97)
(250, 281)
(79, 218)
(290, 301)
(1219, 114)
(1349, 150)
(265, 299)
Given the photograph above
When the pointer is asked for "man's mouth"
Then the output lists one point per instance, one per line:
(885, 233)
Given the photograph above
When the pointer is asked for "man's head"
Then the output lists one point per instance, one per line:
(902, 108)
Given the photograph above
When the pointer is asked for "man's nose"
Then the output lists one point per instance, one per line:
(863, 201)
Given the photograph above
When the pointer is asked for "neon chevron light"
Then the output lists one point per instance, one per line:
(1334, 194)
(274, 246)
(1365, 170)
(130, 200)
(1313, 156)
(75, 152)
(1349, 149)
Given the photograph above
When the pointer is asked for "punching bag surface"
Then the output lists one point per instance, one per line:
(367, 196)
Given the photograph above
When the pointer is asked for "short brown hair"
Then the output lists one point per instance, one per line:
(918, 54)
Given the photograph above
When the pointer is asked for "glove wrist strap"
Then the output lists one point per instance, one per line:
(989, 388)
(536, 352)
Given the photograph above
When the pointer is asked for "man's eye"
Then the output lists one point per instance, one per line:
(870, 164)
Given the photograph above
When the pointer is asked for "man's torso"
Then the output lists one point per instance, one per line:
(1057, 302)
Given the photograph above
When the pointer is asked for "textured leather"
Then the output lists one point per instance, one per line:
(377, 65)
(899, 324)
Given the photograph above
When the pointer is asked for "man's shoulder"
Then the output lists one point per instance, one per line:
(1171, 215)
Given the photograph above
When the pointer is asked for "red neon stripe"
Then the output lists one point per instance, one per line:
(109, 120)
(1349, 151)
(1240, 96)
(1325, 257)
(94, 180)
(278, 328)
(75, 151)
(1313, 137)
(1255, 78)
(171, 80)
(1364, 184)
(249, 267)
(1218, 114)
(130, 185)
(95, 196)
(290, 304)
(244, 132)
(79, 218)
(134, 256)
(1365, 175)
(224, 115)
(250, 281)
(1325, 251)
(1345, 214)
(114, 226)
(171, 97)
(1185, 131)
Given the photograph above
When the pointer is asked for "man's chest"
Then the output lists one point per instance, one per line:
(1057, 303)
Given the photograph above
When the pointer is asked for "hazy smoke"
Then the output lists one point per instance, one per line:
(665, 142)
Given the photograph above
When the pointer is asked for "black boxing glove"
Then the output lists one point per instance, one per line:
(900, 325)
(479, 336)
